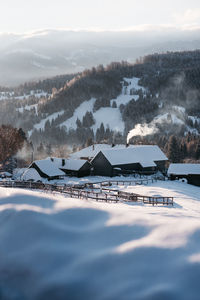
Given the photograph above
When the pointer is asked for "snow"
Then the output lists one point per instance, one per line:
(146, 155)
(57, 247)
(6, 95)
(111, 117)
(28, 107)
(53, 167)
(133, 84)
(125, 97)
(31, 174)
(79, 113)
(151, 128)
(146, 164)
(11, 95)
(180, 109)
(36, 94)
(194, 119)
(50, 166)
(50, 118)
(184, 169)
(168, 118)
(92, 150)
(74, 164)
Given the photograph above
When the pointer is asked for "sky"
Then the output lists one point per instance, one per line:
(25, 16)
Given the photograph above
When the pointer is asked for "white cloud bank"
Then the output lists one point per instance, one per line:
(188, 17)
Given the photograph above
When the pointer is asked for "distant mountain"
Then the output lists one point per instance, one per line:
(53, 52)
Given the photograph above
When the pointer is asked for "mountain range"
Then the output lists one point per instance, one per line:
(46, 53)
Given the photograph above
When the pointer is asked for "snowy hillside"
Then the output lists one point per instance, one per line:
(52, 246)
(111, 117)
(158, 96)
(12, 95)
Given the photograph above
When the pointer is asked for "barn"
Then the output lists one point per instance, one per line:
(56, 168)
(189, 171)
(76, 167)
(140, 158)
(49, 167)
(90, 152)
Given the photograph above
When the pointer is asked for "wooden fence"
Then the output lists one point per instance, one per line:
(105, 194)
(119, 182)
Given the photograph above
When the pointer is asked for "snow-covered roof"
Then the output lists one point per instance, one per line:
(74, 164)
(184, 169)
(92, 151)
(53, 166)
(146, 155)
(50, 166)
(146, 164)
(31, 174)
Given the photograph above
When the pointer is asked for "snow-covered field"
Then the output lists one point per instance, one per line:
(54, 247)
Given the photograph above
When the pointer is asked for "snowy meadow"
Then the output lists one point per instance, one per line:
(55, 247)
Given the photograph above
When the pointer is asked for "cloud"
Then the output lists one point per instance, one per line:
(189, 16)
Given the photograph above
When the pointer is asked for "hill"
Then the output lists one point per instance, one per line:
(157, 96)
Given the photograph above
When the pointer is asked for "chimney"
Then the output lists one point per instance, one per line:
(93, 147)
(63, 162)
(127, 144)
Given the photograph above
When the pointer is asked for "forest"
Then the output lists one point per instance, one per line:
(168, 80)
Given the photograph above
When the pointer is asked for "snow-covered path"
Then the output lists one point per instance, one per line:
(54, 247)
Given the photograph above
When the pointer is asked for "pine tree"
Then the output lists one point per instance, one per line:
(114, 104)
(173, 150)
(78, 123)
(197, 151)
(40, 148)
(49, 149)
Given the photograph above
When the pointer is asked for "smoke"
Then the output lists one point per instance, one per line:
(142, 130)
(175, 101)
(24, 154)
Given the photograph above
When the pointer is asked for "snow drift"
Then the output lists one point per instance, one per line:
(54, 247)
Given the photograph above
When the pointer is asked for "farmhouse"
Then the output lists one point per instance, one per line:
(140, 158)
(90, 152)
(49, 167)
(189, 171)
(56, 168)
(76, 167)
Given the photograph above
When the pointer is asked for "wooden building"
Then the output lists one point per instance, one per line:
(49, 168)
(56, 168)
(141, 158)
(76, 167)
(90, 152)
(191, 172)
